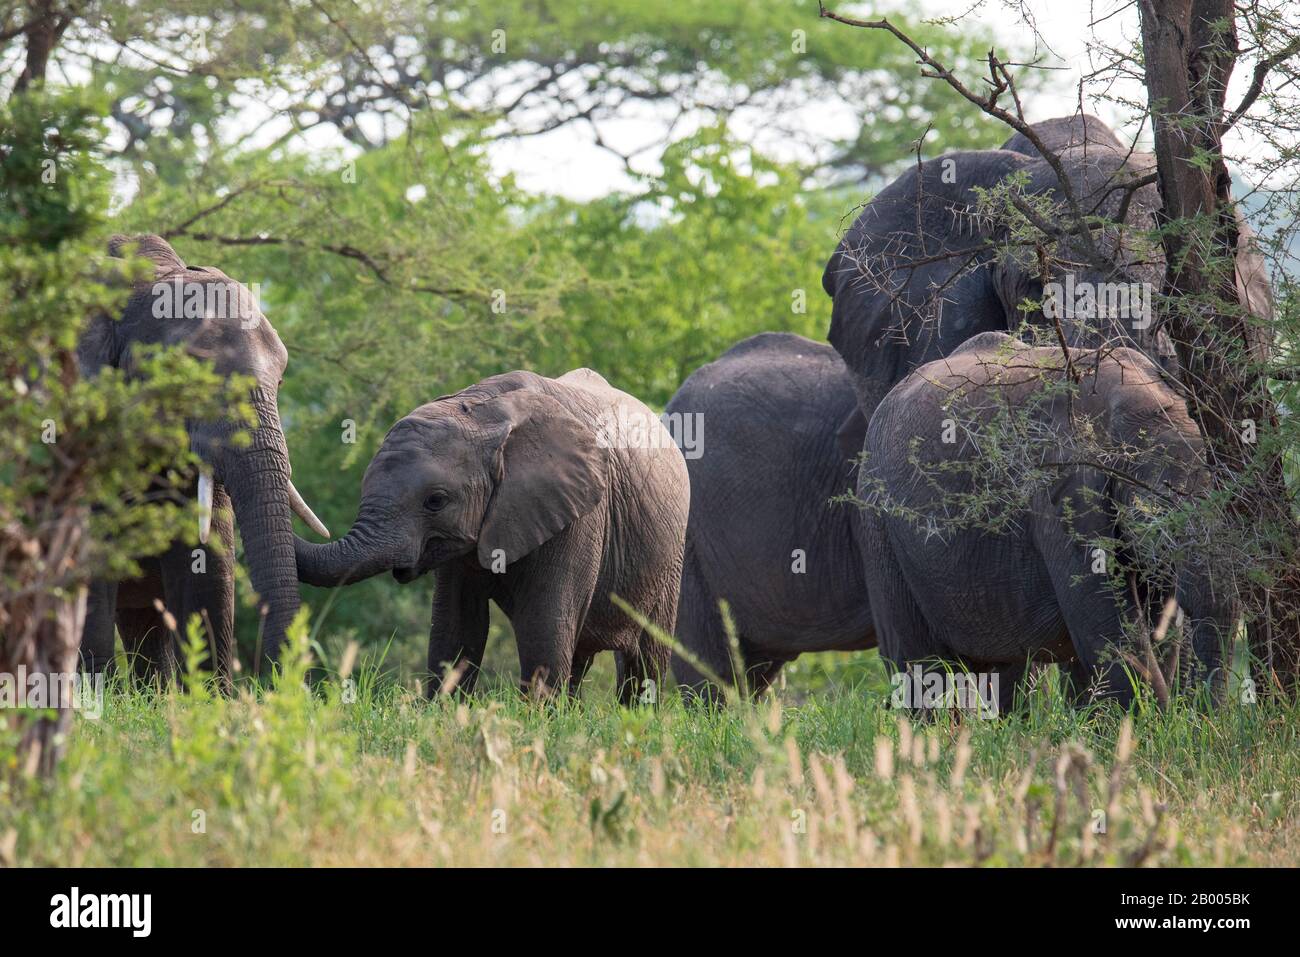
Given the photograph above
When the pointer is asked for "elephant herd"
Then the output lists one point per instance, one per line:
(567, 502)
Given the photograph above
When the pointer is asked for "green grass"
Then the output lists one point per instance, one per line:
(368, 773)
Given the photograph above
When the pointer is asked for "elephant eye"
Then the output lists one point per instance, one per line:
(436, 501)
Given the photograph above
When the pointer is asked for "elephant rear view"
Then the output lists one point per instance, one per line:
(783, 430)
(923, 268)
(1014, 514)
(546, 496)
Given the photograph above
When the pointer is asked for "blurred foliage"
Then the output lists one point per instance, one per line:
(839, 779)
(175, 72)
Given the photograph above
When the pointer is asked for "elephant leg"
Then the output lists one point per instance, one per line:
(639, 679)
(150, 647)
(1009, 679)
(1095, 617)
(1107, 675)
(459, 630)
(98, 641)
(640, 675)
(545, 654)
(1094, 610)
(625, 683)
(581, 665)
(199, 581)
(919, 664)
(546, 633)
(903, 633)
(701, 634)
(1078, 682)
(548, 596)
(762, 673)
(647, 664)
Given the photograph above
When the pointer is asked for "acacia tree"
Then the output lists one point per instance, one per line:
(1185, 59)
(1190, 49)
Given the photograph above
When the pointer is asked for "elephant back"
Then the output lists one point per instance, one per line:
(1064, 132)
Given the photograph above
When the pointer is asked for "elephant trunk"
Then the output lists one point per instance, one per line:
(360, 554)
(1211, 617)
(257, 478)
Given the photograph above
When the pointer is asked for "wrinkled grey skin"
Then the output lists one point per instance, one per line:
(887, 318)
(772, 458)
(994, 601)
(887, 276)
(253, 480)
(1074, 134)
(517, 491)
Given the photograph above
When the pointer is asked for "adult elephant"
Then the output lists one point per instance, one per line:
(922, 270)
(764, 534)
(995, 562)
(785, 426)
(1254, 288)
(215, 318)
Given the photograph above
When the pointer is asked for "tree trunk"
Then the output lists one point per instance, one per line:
(1190, 49)
(40, 627)
(43, 34)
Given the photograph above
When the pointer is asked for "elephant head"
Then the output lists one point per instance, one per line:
(215, 318)
(919, 272)
(1099, 164)
(494, 471)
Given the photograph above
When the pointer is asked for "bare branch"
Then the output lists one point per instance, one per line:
(1262, 70)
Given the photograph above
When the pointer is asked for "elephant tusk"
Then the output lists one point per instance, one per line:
(205, 506)
(306, 514)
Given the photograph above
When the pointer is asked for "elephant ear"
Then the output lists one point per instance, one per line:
(904, 285)
(151, 247)
(548, 470)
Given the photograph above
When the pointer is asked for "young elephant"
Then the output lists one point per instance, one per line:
(546, 496)
(1030, 577)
